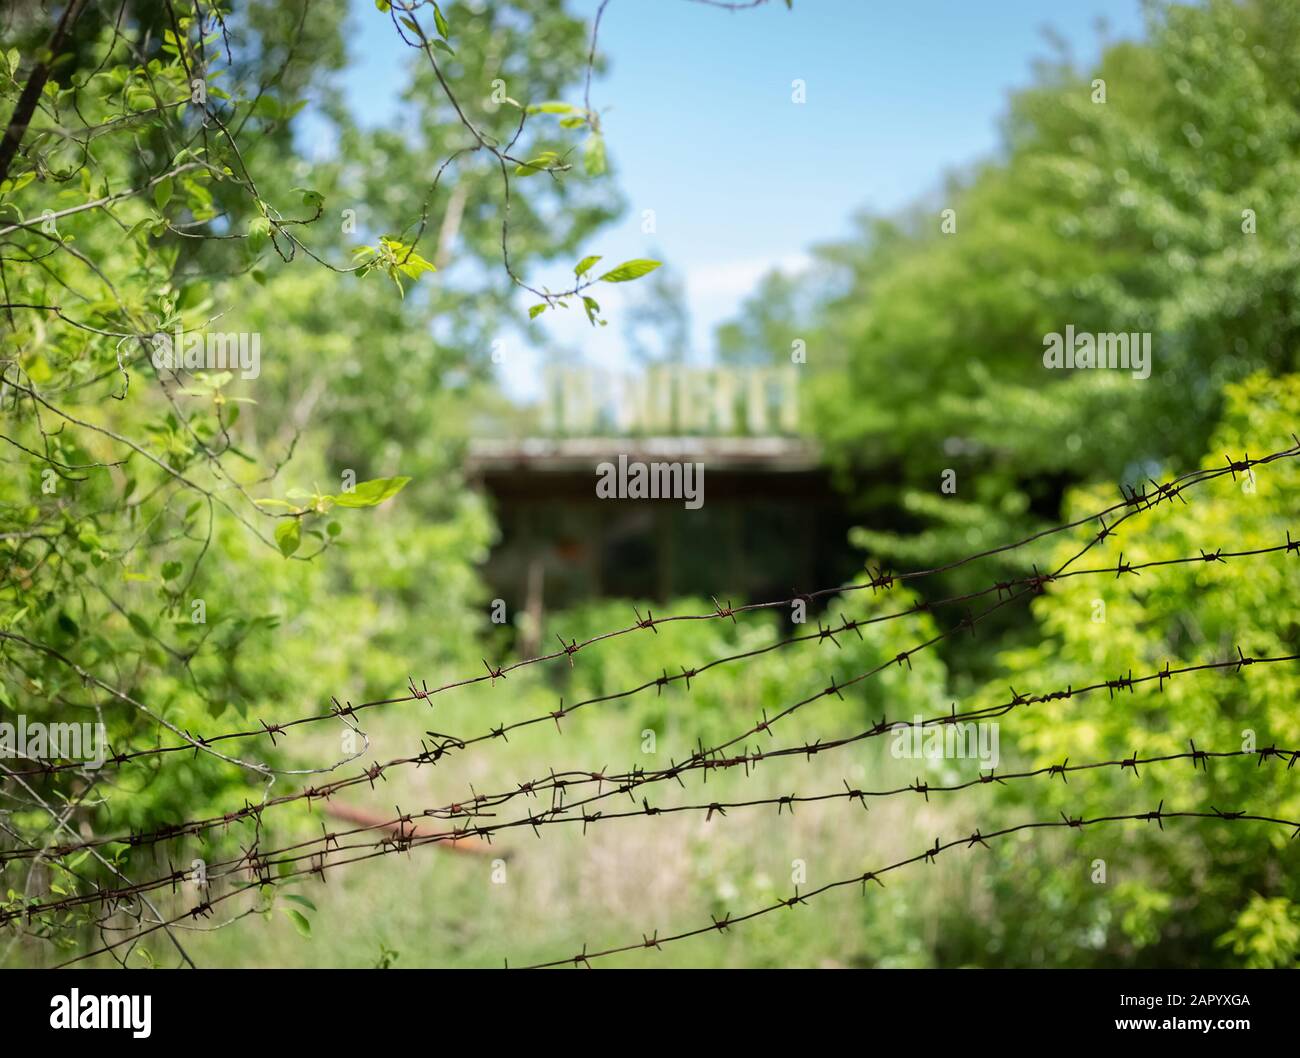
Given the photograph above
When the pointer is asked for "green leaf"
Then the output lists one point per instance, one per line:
(382, 6)
(298, 898)
(171, 570)
(268, 107)
(288, 535)
(440, 22)
(536, 310)
(585, 264)
(552, 107)
(414, 265)
(371, 493)
(17, 183)
(535, 165)
(258, 230)
(442, 45)
(299, 921)
(593, 154)
(412, 25)
(311, 199)
(162, 192)
(630, 270)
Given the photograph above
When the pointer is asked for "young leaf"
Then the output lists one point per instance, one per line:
(593, 154)
(443, 29)
(162, 192)
(288, 535)
(630, 270)
(552, 107)
(258, 229)
(414, 265)
(536, 310)
(535, 165)
(371, 493)
(311, 199)
(299, 921)
(268, 107)
(582, 266)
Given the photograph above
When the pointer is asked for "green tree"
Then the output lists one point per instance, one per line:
(164, 521)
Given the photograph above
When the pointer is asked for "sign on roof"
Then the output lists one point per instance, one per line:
(671, 400)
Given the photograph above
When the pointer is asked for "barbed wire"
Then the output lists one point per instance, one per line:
(1134, 502)
(398, 838)
(1159, 815)
(477, 807)
(389, 846)
(432, 756)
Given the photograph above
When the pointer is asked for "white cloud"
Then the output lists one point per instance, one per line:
(736, 280)
(715, 291)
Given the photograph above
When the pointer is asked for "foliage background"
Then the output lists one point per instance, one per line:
(1126, 215)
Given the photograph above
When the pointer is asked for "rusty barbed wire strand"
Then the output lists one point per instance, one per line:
(1163, 492)
(822, 634)
(1159, 815)
(260, 862)
(432, 756)
(392, 845)
(1134, 502)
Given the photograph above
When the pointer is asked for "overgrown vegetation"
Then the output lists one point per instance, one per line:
(187, 548)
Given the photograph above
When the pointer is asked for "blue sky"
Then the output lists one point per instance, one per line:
(701, 128)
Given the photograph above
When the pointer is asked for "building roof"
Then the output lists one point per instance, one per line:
(566, 454)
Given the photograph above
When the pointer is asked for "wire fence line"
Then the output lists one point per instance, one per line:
(719, 925)
(1134, 502)
(700, 758)
(317, 865)
(312, 857)
(443, 744)
(398, 831)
